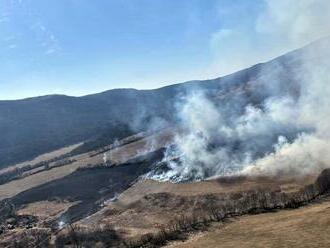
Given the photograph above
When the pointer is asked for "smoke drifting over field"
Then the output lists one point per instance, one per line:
(287, 131)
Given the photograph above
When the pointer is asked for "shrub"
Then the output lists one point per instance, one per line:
(323, 181)
(31, 238)
(85, 237)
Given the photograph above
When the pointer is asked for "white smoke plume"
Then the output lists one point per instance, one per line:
(310, 151)
(287, 132)
(293, 23)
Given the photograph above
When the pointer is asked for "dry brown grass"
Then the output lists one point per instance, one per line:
(14, 187)
(149, 205)
(304, 228)
(141, 147)
(43, 157)
(46, 210)
(26, 238)
(146, 187)
(119, 155)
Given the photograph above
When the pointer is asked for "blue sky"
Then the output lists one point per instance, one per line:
(78, 47)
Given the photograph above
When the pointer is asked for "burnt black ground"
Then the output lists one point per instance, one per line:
(90, 186)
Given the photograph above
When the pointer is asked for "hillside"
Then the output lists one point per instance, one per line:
(33, 126)
(101, 189)
(304, 228)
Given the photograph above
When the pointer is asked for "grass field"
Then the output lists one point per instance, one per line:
(147, 205)
(118, 155)
(300, 228)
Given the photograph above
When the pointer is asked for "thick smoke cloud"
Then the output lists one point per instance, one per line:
(285, 132)
(216, 141)
(309, 152)
(279, 27)
(293, 24)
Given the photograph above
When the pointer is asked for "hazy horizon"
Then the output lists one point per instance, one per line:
(78, 48)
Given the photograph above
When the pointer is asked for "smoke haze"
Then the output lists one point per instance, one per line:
(286, 131)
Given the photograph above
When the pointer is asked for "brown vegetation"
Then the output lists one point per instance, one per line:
(306, 227)
(118, 155)
(209, 211)
(77, 236)
(31, 238)
(251, 202)
(28, 170)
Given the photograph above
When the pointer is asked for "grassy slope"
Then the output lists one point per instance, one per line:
(118, 155)
(148, 204)
(305, 227)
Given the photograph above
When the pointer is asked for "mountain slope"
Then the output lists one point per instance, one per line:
(33, 126)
